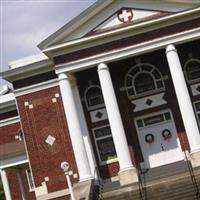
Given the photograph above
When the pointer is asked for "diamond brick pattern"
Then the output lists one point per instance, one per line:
(99, 115)
(149, 102)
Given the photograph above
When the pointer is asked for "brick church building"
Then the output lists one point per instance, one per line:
(115, 93)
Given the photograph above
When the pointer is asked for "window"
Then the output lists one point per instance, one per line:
(143, 79)
(192, 69)
(155, 119)
(104, 145)
(144, 82)
(30, 179)
(94, 97)
(197, 110)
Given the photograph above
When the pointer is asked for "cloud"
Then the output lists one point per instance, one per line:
(26, 23)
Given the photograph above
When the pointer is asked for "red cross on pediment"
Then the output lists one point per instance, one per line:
(125, 15)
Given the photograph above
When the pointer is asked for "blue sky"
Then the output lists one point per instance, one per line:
(24, 24)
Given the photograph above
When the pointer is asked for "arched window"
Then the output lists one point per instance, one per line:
(143, 79)
(94, 97)
(192, 69)
(144, 82)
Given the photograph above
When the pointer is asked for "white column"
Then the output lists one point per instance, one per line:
(5, 184)
(85, 131)
(183, 97)
(114, 118)
(21, 184)
(66, 84)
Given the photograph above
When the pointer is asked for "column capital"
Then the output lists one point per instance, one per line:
(67, 76)
(170, 48)
(102, 66)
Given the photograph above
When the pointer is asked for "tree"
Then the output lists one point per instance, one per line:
(2, 197)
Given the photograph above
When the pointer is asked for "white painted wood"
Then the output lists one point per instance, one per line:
(141, 104)
(114, 21)
(5, 184)
(36, 87)
(114, 118)
(94, 115)
(71, 112)
(183, 97)
(13, 161)
(94, 15)
(8, 121)
(85, 132)
(195, 89)
(153, 153)
(129, 52)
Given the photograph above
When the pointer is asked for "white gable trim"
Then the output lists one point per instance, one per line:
(112, 35)
(101, 9)
(130, 51)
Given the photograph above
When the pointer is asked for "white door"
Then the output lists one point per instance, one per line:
(158, 139)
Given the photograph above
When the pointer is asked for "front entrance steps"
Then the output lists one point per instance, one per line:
(174, 185)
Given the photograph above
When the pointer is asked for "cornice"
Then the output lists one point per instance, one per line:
(27, 67)
(129, 52)
(36, 87)
(7, 103)
(102, 38)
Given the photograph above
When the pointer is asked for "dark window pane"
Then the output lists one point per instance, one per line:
(159, 84)
(105, 131)
(197, 105)
(193, 70)
(153, 120)
(156, 74)
(167, 116)
(143, 83)
(134, 71)
(129, 81)
(146, 68)
(139, 123)
(130, 92)
(94, 97)
(106, 149)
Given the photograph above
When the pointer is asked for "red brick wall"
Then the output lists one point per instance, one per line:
(46, 118)
(14, 184)
(7, 133)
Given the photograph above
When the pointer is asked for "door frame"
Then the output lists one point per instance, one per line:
(144, 163)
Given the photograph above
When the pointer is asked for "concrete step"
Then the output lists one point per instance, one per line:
(176, 187)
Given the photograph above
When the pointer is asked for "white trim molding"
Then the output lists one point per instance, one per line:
(131, 51)
(8, 121)
(36, 87)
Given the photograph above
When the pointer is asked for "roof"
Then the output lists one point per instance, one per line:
(88, 19)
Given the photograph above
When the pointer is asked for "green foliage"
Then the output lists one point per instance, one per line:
(2, 197)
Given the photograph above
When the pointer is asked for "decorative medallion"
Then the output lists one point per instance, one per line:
(99, 115)
(125, 15)
(149, 102)
(198, 88)
(50, 140)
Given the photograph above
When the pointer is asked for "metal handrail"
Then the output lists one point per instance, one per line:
(192, 176)
(142, 184)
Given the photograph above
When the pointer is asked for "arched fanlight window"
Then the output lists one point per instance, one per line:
(192, 69)
(142, 79)
(93, 97)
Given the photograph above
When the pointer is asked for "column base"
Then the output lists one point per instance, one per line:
(84, 189)
(128, 176)
(195, 159)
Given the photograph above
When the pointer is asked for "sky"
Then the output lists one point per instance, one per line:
(25, 23)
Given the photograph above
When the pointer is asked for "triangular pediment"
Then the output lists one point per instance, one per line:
(106, 15)
(127, 16)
